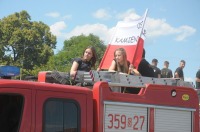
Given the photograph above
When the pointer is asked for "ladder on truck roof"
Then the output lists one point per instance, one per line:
(117, 79)
(125, 80)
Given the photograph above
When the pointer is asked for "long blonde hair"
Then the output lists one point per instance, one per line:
(122, 68)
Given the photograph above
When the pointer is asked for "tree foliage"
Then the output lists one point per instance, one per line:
(25, 43)
(73, 48)
(29, 45)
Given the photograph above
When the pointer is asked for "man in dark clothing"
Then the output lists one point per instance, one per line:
(144, 67)
(198, 79)
(157, 72)
(179, 71)
(166, 72)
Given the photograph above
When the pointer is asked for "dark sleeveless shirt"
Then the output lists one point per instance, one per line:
(83, 65)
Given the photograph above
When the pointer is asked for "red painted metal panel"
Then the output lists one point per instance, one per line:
(35, 93)
(82, 95)
(26, 122)
(42, 76)
(152, 95)
(151, 120)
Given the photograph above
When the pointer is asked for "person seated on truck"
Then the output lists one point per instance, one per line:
(121, 64)
(84, 63)
(144, 67)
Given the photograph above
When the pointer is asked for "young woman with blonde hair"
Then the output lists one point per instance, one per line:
(121, 64)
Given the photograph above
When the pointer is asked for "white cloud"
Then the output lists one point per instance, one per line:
(67, 17)
(159, 27)
(57, 15)
(184, 32)
(57, 28)
(102, 14)
(97, 29)
(128, 15)
(155, 28)
(53, 14)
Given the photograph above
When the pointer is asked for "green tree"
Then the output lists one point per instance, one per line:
(73, 48)
(25, 43)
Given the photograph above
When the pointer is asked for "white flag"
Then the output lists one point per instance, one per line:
(126, 35)
(128, 32)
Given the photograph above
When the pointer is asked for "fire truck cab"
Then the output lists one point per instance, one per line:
(160, 106)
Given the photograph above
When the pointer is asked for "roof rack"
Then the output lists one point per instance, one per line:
(125, 80)
(117, 79)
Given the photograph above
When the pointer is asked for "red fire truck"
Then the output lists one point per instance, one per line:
(161, 105)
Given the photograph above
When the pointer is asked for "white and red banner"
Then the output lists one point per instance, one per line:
(130, 36)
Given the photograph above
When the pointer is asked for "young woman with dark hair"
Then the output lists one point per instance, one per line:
(86, 62)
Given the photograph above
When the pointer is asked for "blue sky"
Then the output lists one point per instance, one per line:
(173, 27)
